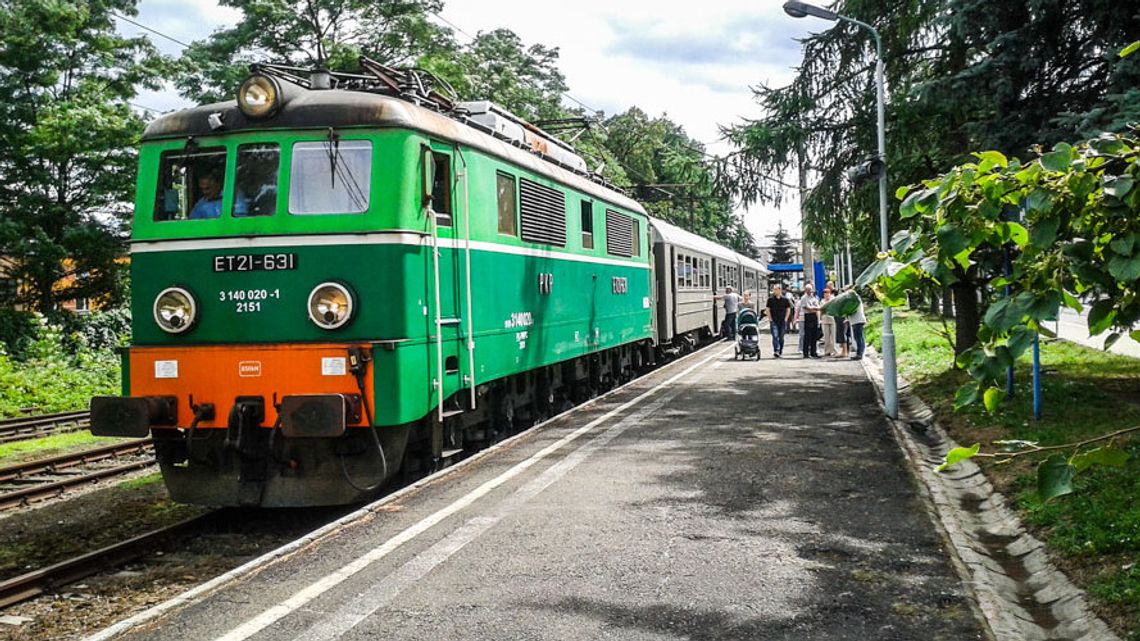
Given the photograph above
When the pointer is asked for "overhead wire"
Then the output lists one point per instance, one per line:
(146, 28)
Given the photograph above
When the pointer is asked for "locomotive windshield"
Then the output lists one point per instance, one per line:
(330, 177)
(255, 181)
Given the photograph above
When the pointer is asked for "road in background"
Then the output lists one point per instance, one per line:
(1074, 328)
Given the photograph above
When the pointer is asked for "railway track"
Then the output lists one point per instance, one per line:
(34, 481)
(37, 582)
(22, 428)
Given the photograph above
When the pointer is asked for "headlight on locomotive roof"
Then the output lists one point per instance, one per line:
(331, 305)
(259, 96)
(175, 310)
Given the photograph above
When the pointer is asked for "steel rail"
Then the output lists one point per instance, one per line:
(28, 495)
(21, 428)
(75, 459)
(37, 582)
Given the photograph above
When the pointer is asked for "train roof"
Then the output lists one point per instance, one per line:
(753, 263)
(674, 235)
(324, 108)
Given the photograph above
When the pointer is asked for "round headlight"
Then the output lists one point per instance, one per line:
(259, 96)
(175, 310)
(330, 305)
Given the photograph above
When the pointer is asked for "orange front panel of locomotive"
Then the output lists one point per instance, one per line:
(219, 375)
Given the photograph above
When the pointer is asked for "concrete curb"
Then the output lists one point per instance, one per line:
(1020, 594)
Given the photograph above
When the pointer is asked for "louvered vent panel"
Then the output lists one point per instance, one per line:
(542, 212)
(619, 234)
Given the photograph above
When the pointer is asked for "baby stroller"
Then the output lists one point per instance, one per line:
(747, 334)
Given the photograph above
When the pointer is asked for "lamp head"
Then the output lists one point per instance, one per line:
(797, 9)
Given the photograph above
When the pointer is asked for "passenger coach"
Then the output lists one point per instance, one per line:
(691, 271)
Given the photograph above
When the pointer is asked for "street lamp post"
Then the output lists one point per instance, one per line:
(890, 368)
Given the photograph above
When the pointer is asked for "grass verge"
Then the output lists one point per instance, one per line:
(1094, 534)
(48, 446)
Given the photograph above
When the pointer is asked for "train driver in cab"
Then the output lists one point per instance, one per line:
(209, 204)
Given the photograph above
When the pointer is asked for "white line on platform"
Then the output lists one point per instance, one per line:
(348, 616)
(307, 594)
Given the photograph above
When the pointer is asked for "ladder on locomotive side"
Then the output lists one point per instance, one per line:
(468, 379)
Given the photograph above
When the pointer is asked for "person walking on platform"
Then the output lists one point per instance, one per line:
(827, 321)
(779, 311)
(809, 313)
(731, 306)
(858, 320)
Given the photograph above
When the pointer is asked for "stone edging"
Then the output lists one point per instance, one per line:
(1021, 595)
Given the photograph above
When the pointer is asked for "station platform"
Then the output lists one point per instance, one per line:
(712, 499)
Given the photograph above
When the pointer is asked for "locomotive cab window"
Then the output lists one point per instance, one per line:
(508, 225)
(441, 189)
(330, 177)
(255, 180)
(587, 224)
(190, 183)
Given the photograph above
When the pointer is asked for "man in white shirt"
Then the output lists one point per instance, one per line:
(731, 306)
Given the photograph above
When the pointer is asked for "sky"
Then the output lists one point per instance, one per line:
(660, 55)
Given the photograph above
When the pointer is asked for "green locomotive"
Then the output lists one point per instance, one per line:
(337, 277)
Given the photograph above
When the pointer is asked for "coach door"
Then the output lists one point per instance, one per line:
(448, 274)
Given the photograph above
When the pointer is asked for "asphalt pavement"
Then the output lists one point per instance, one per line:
(713, 499)
(1074, 327)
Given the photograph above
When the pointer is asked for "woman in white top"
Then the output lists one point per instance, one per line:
(858, 320)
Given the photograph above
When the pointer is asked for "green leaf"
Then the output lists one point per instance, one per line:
(1130, 49)
(990, 159)
(1044, 232)
(1042, 306)
(970, 358)
(992, 398)
(1101, 316)
(1111, 340)
(959, 454)
(1038, 200)
(1020, 339)
(1059, 159)
(1108, 456)
(901, 192)
(1124, 269)
(1118, 186)
(1108, 144)
(872, 273)
(1135, 335)
(919, 202)
(903, 240)
(951, 241)
(1015, 233)
(1071, 302)
(1124, 244)
(967, 394)
(1054, 477)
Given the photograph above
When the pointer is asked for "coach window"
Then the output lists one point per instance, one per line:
(680, 270)
(587, 224)
(330, 177)
(255, 180)
(190, 183)
(508, 225)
